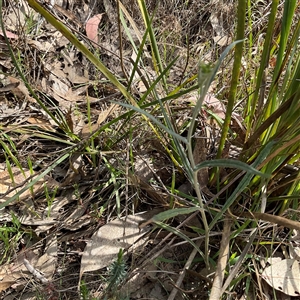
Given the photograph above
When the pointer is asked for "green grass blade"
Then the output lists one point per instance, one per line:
(157, 59)
(19, 69)
(172, 133)
(253, 99)
(241, 13)
(73, 39)
(36, 179)
(243, 183)
(171, 213)
(231, 163)
(180, 234)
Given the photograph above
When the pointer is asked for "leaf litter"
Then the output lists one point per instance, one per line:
(284, 276)
(106, 242)
(61, 215)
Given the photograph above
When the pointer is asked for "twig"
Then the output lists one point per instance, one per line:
(182, 273)
(184, 291)
(187, 60)
(222, 262)
(34, 272)
(154, 253)
(236, 267)
(121, 42)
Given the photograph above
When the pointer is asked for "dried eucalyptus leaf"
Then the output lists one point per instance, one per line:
(284, 276)
(105, 244)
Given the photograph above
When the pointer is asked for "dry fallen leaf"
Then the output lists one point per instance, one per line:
(9, 87)
(91, 27)
(221, 38)
(19, 179)
(105, 244)
(7, 183)
(11, 273)
(105, 113)
(19, 89)
(8, 277)
(41, 123)
(284, 276)
(73, 76)
(46, 264)
(9, 34)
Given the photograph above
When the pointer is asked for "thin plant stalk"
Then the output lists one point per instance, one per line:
(206, 75)
(157, 59)
(238, 53)
(253, 100)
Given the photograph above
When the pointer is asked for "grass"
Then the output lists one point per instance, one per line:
(258, 75)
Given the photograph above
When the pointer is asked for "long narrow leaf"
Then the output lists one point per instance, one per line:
(35, 180)
(243, 183)
(171, 213)
(231, 163)
(180, 234)
(74, 40)
(172, 133)
(235, 73)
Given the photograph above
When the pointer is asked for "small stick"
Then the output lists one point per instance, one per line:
(37, 274)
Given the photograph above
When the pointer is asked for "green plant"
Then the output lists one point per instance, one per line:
(84, 292)
(117, 272)
(262, 88)
(10, 235)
